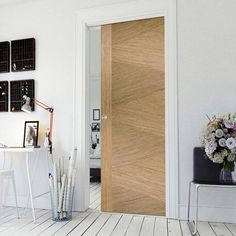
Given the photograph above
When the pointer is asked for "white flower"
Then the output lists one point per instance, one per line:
(219, 133)
(231, 143)
(217, 158)
(229, 124)
(231, 157)
(210, 147)
(233, 150)
(222, 142)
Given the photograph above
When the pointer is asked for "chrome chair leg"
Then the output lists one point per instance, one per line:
(194, 231)
(196, 212)
(189, 199)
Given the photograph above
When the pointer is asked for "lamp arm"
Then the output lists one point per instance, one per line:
(42, 105)
(51, 125)
(49, 109)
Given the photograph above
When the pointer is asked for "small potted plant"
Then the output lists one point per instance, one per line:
(219, 140)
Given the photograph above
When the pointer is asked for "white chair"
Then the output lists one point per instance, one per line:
(7, 174)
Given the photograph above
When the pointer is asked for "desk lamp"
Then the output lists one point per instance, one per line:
(27, 108)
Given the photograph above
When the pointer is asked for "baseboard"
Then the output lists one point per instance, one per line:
(211, 214)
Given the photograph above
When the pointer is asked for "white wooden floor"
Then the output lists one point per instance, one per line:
(93, 222)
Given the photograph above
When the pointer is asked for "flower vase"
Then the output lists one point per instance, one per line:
(226, 174)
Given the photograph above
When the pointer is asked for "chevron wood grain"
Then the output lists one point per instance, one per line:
(133, 164)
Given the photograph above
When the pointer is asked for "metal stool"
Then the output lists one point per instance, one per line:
(205, 174)
(197, 187)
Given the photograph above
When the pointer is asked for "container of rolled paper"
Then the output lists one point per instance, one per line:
(62, 185)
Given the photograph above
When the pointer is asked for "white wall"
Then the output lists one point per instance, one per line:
(95, 70)
(94, 77)
(53, 24)
(206, 74)
(206, 65)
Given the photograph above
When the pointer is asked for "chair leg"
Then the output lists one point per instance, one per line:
(1, 190)
(195, 222)
(14, 189)
(189, 199)
(196, 212)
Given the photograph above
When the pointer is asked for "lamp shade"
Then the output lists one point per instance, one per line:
(26, 106)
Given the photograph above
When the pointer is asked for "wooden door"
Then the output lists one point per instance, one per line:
(133, 112)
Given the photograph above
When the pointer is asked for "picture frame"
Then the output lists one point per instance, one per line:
(31, 131)
(96, 127)
(96, 114)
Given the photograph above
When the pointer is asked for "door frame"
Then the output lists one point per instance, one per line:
(132, 10)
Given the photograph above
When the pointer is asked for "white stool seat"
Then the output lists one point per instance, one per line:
(8, 173)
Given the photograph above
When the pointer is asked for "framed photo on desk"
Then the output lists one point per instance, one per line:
(31, 134)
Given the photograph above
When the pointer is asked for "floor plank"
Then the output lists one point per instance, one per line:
(16, 224)
(93, 222)
(97, 225)
(135, 226)
(205, 229)
(185, 229)
(54, 228)
(109, 226)
(160, 228)
(10, 217)
(232, 228)
(147, 226)
(122, 225)
(42, 227)
(174, 228)
(66, 229)
(220, 229)
(27, 228)
(84, 225)
(95, 196)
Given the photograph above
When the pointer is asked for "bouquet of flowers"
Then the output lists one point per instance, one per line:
(219, 140)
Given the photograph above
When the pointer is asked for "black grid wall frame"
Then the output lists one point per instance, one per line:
(3, 96)
(18, 89)
(23, 55)
(4, 57)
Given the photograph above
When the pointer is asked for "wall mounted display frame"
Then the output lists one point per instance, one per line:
(96, 114)
(18, 89)
(23, 55)
(4, 57)
(3, 96)
(95, 127)
(31, 131)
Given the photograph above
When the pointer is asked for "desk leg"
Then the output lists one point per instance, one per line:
(30, 187)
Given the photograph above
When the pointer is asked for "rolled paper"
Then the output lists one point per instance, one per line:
(51, 194)
(55, 192)
(62, 186)
(64, 197)
(61, 193)
(68, 193)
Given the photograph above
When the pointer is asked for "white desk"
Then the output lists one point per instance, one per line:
(26, 150)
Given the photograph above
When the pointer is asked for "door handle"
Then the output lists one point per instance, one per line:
(104, 117)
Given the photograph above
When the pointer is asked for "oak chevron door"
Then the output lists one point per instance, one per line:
(133, 112)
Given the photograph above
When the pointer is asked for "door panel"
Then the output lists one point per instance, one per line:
(133, 135)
